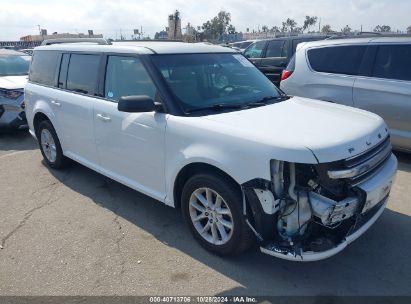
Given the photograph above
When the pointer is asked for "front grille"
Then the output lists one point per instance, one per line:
(376, 156)
(358, 168)
(369, 154)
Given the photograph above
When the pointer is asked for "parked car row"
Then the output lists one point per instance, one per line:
(14, 67)
(271, 56)
(373, 74)
(200, 128)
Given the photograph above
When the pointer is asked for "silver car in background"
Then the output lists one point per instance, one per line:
(368, 73)
(14, 68)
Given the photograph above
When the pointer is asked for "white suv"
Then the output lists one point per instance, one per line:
(199, 127)
(373, 74)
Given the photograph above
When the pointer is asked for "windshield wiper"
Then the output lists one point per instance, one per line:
(266, 99)
(218, 107)
(224, 106)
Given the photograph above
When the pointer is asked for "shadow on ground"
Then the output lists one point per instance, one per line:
(17, 141)
(404, 161)
(370, 266)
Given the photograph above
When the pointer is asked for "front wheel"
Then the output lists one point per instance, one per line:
(212, 207)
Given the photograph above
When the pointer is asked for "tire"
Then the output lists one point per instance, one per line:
(53, 154)
(235, 240)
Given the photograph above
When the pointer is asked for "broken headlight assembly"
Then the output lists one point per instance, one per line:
(313, 215)
(11, 94)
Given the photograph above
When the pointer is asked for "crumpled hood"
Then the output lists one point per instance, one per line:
(13, 82)
(332, 132)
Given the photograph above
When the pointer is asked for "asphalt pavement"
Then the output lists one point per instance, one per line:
(76, 232)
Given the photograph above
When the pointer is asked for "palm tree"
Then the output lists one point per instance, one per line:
(309, 21)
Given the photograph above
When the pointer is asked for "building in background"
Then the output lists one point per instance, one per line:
(174, 26)
(55, 35)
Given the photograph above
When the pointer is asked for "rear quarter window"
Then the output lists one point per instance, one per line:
(43, 67)
(337, 59)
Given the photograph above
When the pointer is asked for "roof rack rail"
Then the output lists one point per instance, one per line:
(368, 35)
(100, 41)
(353, 35)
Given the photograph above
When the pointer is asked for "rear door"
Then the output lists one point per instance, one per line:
(386, 90)
(333, 72)
(275, 59)
(78, 86)
(130, 146)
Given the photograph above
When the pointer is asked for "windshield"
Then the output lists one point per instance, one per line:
(14, 65)
(206, 80)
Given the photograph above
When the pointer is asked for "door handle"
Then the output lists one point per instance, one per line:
(56, 103)
(103, 117)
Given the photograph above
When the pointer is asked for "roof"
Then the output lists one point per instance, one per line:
(143, 47)
(7, 52)
(358, 41)
(297, 37)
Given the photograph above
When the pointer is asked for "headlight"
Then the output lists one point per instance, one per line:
(11, 94)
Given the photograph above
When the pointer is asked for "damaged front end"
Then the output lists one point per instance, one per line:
(311, 212)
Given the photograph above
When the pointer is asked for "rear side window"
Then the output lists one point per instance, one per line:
(126, 76)
(82, 73)
(393, 62)
(337, 60)
(255, 50)
(43, 67)
(275, 48)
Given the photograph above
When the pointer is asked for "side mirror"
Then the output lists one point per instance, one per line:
(136, 104)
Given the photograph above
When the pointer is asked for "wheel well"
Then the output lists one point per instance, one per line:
(192, 169)
(38, 118)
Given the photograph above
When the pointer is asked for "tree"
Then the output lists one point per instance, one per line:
(288, 25)
(346, 29)
(217, 26)
(231, 29)
(409, 29)
(326, 29)
(382, 28)
(308, 22)
(265, 28)
(298, 30)
(275, 29)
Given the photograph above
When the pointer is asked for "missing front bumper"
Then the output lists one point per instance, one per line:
(310, 256)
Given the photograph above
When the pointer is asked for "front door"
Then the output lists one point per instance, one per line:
(130, 145)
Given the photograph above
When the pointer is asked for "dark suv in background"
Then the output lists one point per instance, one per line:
(271, 56)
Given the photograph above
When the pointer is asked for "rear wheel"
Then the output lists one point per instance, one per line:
(50, 146)
(211, 206)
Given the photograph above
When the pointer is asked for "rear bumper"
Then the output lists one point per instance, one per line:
(376, 189)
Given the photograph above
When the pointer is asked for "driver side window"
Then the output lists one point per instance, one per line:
(255, 50)
(126, 76)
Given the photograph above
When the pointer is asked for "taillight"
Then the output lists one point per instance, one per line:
(285, 74)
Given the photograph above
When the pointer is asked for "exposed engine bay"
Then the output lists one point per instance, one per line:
(308, 212)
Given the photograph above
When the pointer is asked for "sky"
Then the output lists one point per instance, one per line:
(114, 17)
